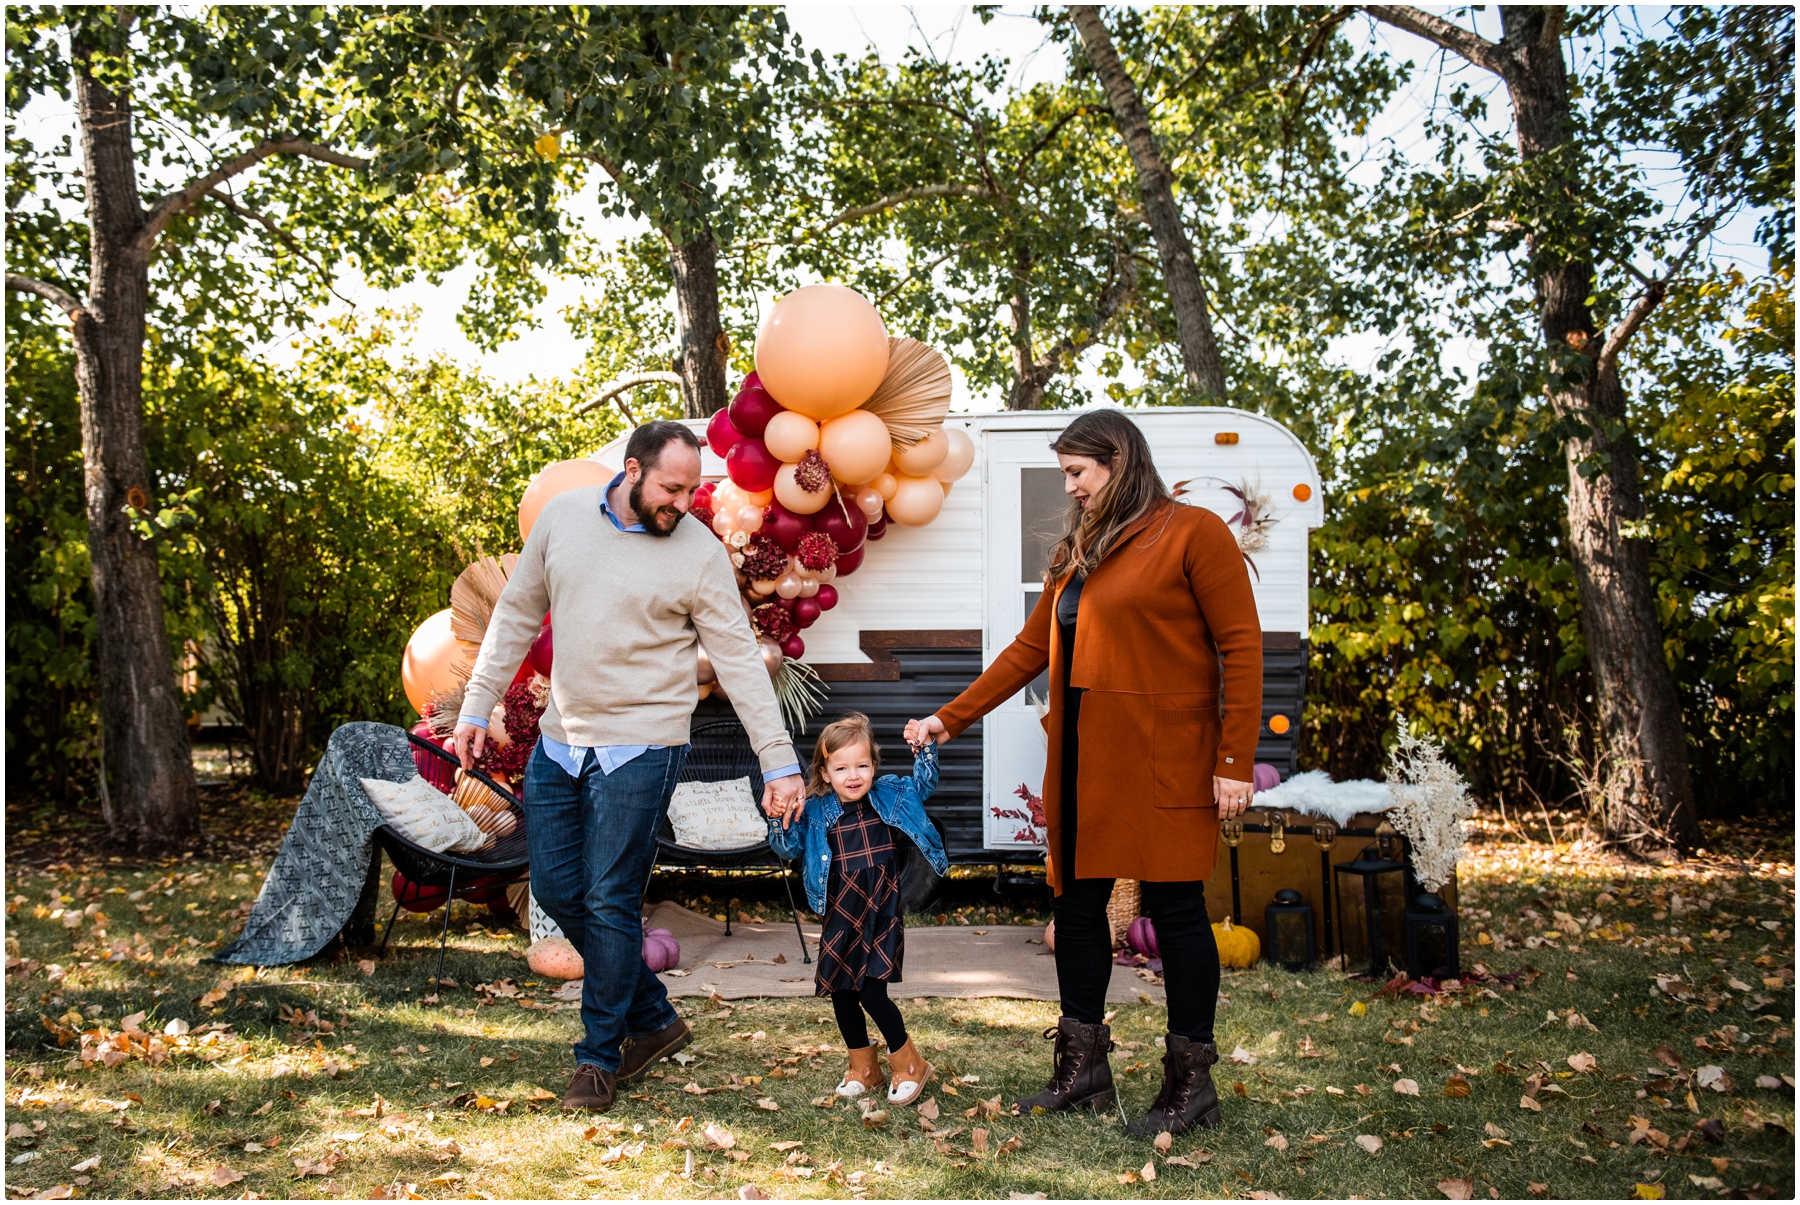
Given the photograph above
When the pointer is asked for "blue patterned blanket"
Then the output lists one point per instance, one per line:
(326, 878)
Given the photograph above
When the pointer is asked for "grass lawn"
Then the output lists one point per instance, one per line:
(1651, 1055)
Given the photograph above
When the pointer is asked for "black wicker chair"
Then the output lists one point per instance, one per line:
(720, 752)
(506, 860)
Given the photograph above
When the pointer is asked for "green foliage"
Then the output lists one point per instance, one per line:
(1718, 409)
(51, 716)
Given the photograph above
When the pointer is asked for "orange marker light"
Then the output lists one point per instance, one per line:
(1302, 492)
(1278, 724)
(1225, 437)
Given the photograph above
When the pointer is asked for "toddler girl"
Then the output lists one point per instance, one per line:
(844, 837)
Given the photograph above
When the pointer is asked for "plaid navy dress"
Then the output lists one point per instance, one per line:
(864, 935)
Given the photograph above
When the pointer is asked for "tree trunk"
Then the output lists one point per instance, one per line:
(704, 344)
(1649, 804)
(1193, 324)
(147, 757)
(1028, 383)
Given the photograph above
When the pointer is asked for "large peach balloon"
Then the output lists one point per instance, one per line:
(822, 350)
(923, 456)
(790, 495)
(916, 501)
(790, 435)
(959, 458)
(435, 661)
(856, 446)
(554, 479)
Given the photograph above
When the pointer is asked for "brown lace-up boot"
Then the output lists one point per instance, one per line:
(1082, 1078)
(1187, 1097)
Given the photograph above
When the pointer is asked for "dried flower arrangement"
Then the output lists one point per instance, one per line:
(1431, 802)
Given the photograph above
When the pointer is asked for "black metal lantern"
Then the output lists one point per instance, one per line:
(1289, 923)
(1371, 911)
(1431, 939)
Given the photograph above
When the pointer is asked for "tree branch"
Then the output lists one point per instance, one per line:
(1471, 46)
(1608, 360)
(622, 385)
(168, 207)
(43, 288)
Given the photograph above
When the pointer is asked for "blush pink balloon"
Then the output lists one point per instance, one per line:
(752, 409)
(827, 597)
(751, 465)
(720, 434)
(784, 526)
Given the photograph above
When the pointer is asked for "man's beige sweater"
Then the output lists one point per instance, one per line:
(628, 608)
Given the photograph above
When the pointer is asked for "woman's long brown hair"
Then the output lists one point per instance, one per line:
(1115, 441)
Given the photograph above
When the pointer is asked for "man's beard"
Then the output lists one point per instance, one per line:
(660, 522)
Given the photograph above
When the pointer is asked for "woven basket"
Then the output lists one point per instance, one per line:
(1122, 908)
(491, 814)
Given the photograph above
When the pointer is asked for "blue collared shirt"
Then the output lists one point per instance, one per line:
(609, 757)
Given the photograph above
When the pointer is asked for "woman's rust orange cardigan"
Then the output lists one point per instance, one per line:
(1171, 597)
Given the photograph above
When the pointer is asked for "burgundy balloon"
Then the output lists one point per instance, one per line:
(752, 409)
(784, 526)
(806, 611)
(827, 597)
(786, 604)
(720, 434)
(793, 647)
(750, 380)
(849, 562)
(542, 650)
(878, 528)
(845, 524)
(751, 465)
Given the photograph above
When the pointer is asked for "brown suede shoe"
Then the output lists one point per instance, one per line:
(642, 1053)
(591, 1088)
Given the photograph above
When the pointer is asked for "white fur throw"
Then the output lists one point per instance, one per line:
(1314, 794)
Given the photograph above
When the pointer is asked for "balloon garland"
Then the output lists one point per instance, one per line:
(812, 473)
(838, 433)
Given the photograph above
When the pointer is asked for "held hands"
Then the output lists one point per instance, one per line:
(464, 753)
(920, 733)
(1232, 796)
(784, 798)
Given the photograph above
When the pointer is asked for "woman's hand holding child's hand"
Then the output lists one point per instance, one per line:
(920, 733)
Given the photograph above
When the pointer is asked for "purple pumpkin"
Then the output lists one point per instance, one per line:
(1265, 776)
(1141, 937)
(661, 951)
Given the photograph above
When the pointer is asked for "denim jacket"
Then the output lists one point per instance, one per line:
(899, 801)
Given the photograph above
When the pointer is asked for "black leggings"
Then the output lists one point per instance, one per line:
(849, 1006)
(1184, 935)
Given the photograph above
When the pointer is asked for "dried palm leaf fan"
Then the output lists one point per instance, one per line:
(474, 594)
(914, 396)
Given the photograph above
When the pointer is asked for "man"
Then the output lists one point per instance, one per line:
(633, 583)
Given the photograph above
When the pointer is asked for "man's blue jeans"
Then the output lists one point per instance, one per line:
(593, 842)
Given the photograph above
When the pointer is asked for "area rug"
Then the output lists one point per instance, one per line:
(764, 959)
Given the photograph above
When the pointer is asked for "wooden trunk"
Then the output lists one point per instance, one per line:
(1301, 865)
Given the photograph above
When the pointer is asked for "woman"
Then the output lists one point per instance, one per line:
(1143, 597)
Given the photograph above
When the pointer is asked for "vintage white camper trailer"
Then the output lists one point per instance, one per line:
(931, 606)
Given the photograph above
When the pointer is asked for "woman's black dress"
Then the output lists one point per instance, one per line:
(864, 935)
